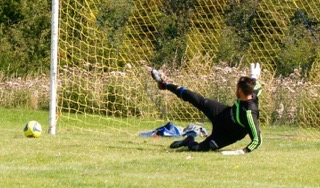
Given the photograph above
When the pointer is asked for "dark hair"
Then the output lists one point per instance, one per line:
(246, 84)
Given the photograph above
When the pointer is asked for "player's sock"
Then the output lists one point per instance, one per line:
(180, 143)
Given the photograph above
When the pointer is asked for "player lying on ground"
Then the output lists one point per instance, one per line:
(229, 123)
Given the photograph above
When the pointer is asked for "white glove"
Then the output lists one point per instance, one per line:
(255, 70)
(235, 152)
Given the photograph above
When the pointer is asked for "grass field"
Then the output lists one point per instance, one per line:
(80, 158)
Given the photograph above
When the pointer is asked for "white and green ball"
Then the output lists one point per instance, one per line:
(32, 129)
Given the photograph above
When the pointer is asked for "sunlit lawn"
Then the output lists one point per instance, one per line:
(78, 157)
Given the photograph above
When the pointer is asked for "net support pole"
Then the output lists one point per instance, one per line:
(54, 67)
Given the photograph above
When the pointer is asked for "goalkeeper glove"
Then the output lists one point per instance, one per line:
(157, 77)
(235, 152)
(255, 70)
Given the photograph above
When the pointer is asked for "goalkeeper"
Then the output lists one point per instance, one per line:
(229, 123)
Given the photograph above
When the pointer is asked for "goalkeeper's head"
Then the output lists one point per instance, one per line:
(245, 88)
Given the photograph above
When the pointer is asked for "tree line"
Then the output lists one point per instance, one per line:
(25, 32)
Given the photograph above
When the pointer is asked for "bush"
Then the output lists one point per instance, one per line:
(25, 37)
(298, 51)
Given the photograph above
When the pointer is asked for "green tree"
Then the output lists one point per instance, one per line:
(25, 36)
(170, 44)
(299, 48)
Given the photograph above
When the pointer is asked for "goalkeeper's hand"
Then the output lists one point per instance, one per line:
(234, 152)
(255, 70)
(157, 77)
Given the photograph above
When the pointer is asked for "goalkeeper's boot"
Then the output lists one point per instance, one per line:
(157, 77)
(180, 143)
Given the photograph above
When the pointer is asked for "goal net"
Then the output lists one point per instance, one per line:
(105, 46)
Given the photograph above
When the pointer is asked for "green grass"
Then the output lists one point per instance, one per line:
(81, 158)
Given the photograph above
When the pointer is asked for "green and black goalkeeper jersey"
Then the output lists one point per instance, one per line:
(244, 116)
(229, 123)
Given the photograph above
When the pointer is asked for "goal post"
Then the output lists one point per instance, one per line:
(54, 67)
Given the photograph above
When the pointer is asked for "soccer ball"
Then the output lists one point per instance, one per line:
(32, 129)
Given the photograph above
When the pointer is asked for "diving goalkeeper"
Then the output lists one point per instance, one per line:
(229, 123)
